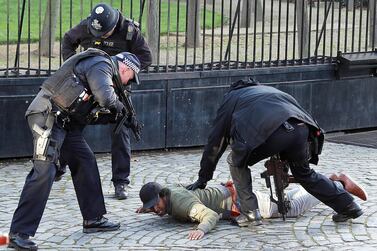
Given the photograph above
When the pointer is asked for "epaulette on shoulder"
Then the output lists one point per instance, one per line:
(135, 23)
(132, 26)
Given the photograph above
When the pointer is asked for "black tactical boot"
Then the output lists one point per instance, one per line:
(58, 176)
(100, 224)
(21, 242)
(352, 211)
(121, 192)
(253, 218)
(60, 172)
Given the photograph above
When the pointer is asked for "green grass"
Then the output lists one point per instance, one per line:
(80, 10)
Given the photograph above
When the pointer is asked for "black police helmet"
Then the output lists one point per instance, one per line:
(131, 61)
(149, 194)
(102, 19)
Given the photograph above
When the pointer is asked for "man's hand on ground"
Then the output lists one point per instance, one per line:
(196, 234)
(142, 210)
(197, 184)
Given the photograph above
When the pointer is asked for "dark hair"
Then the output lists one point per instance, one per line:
(164, 192)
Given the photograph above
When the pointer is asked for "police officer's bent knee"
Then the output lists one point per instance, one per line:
(56, 117)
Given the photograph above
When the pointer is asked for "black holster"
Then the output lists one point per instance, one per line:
(316, 140)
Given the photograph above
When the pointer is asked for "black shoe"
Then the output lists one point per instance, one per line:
(352, 211)
(21, 242)
(99, 225)
(121, 192)
(253, 218)
(241, 221)
(59, 174)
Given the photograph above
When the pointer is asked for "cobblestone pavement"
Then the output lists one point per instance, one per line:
(61, 226)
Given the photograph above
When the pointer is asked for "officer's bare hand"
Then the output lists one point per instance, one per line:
(142, 210)
(196, 234)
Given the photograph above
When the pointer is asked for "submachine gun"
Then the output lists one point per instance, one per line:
(279, 170)
(129, 117)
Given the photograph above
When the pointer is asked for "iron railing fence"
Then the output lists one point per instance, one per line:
(196, 35)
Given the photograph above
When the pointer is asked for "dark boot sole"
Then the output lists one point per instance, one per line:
(96, 230)
(348, 217)
(120, 197)
(243, 224)
(255, 223)
(17, 248)
(248, 223)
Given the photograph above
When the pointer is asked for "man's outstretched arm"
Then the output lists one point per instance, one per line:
(206, 217)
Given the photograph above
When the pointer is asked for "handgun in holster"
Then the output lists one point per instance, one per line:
(44, 140)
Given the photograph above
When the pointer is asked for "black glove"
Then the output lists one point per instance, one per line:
(117, 112)
(133, 122)
(135, 126)
(118, 108)
(197, 184)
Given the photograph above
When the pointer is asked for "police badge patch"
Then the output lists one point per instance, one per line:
(96, 25)
(99, 10)
(130, 32)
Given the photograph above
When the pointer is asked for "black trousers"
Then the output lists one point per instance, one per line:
(120, 152)
(39, 181)
(292, 146)
(121, 156)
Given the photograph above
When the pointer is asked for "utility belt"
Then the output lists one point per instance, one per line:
(81, 112)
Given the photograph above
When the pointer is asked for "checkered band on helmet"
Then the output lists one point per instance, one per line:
(130, 60)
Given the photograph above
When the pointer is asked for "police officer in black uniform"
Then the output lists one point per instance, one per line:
(108, 30)
(257, 122)
(67, 101)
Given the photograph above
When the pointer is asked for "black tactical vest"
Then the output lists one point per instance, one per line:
(118, 42)
(65, 87)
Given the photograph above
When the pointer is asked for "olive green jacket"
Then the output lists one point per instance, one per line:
(202, 205)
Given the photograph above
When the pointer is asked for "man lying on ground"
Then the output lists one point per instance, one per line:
(209, 205)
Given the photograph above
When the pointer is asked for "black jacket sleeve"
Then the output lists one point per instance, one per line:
(218, 140)
(72, 39)
(99, 78)
(140, 48)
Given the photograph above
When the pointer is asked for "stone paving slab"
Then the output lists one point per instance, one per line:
(365, 139)
(61, 225)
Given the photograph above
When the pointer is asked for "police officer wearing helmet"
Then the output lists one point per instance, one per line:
(108, 30)
(57, 117)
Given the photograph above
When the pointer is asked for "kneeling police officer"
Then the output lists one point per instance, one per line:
(56, 117)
